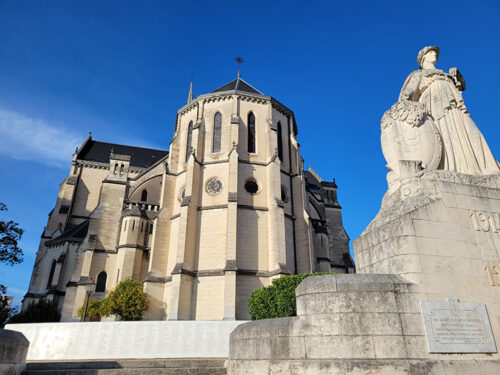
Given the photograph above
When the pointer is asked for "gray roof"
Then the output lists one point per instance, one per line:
(238, 85)
(74, 234)
(139, 157)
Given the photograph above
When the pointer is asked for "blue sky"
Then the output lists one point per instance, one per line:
(121, 69)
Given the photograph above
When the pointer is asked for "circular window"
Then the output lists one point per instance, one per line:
(284, 194)
(251, 186)
(214, 186)
(182, 194)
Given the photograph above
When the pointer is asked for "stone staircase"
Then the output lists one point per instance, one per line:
(189, 366)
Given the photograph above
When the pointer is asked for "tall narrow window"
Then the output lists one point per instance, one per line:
(251, 132)
(280, 142)
(144, 195)
(101, 282)
(217, 132)
(51, 274)
(188, 143)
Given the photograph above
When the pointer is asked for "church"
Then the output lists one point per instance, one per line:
(227, 209)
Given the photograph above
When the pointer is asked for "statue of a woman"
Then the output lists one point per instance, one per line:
(464, 147)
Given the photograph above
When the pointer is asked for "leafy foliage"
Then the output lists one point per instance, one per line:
(10, 235)
(278, 299)
(127, 300)
(4, 306)
(44, 310)
(94, 310)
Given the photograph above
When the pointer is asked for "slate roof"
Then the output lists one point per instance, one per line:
(74, 234)
(312, 183)
(238, 85)
(100, 151)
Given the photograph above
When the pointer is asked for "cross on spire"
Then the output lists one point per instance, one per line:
(239, 60)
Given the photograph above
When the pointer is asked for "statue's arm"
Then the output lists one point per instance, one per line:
(410, 87)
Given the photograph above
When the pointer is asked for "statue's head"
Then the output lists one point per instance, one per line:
(430, 54)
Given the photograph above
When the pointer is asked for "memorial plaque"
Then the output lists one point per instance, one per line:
(457, 327)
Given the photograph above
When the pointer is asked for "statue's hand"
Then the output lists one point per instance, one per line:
(457, 78)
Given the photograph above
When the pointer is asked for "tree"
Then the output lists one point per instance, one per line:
(44, 310)
(127, 300)
(10, 253)
(4, 306)
(10, 235)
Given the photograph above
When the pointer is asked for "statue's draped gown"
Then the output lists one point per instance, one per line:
(464, 148)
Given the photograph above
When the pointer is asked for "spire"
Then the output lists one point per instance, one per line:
(239, 60)
(190, 95)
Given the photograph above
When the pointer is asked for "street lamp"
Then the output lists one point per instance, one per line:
(89, 288)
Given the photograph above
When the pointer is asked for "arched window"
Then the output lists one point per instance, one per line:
(116, 168)
(217, 132)
(188, 143)
(101, 282)
(122, 169)
(51, 274)
(144, 196)
(280, 144)
(251, 132)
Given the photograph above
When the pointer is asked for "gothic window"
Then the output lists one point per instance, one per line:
(280, 144)
(122, 168)
(51, 274)
(116, 168)
(217, 132)
(133, 225)
(251, 132)
(188, 143)
(144, 195)
(101, 282)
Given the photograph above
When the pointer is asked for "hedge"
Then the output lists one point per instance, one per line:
(278, 299)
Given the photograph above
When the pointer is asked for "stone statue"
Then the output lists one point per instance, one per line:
(464, 148)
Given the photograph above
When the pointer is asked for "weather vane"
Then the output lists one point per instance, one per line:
(239, 60)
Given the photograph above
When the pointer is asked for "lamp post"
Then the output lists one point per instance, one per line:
(89, 288)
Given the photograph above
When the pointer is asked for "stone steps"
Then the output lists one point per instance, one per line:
(129, 367)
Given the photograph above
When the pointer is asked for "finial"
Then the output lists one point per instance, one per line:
(190, 95)
(239, 60)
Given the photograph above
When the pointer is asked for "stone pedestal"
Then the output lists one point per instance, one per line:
(426, 300)
(13, 351)
(442, 232)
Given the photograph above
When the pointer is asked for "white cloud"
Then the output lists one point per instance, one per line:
(26, 138)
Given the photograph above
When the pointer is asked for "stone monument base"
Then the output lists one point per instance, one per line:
(349, 324)
(13, 351)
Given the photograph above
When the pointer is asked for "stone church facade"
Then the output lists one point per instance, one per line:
(228, 208)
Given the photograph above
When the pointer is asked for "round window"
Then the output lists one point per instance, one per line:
(214, 186)
(251, 186)
(284, 194)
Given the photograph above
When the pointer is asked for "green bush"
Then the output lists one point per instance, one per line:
(127, 300)
(278, 299)
(95, 309)
(42, 311)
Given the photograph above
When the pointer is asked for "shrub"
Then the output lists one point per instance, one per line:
(127, 300)
(44, 310)
(95, 309)
(278, 299)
